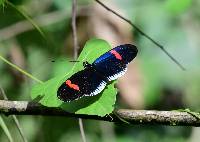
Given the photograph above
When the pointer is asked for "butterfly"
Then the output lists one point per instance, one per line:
(94, 77)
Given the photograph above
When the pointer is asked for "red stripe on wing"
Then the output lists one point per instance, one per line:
(117, 55)
(73, 86)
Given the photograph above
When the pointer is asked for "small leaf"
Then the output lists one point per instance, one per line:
(100, 104)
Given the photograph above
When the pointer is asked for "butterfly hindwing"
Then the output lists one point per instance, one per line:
(83, 83)
(113, 64)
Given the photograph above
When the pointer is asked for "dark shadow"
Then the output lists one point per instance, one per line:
(80, 103)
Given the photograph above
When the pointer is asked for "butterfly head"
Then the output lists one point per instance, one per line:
(86, 64)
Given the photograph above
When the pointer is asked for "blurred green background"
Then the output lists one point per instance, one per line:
(173, 23)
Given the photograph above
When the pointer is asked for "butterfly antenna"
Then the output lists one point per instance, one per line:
(74, 61)
(65, 60)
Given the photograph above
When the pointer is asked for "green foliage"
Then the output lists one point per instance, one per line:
(178, 6)
(162, 20)
(26, 16)
(2, 2)
(101, 104)
(19, 69)
(63, 4)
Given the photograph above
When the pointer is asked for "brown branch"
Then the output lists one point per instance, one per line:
(120, 115)
(142, 33)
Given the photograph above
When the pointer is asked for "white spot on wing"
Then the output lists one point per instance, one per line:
(115, 76)
(101, 86)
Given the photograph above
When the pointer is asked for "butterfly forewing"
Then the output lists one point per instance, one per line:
(113, 64)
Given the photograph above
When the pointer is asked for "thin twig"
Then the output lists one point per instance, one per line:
(152, 117)
(75, 43)
(14, 117)
(82, 129)
(142, 33)
(74, 31)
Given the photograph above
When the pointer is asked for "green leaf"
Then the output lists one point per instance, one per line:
(100, 104)
(104, 105)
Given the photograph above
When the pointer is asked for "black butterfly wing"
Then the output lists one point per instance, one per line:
(83, 83)
(93, 79)
(113, 64)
